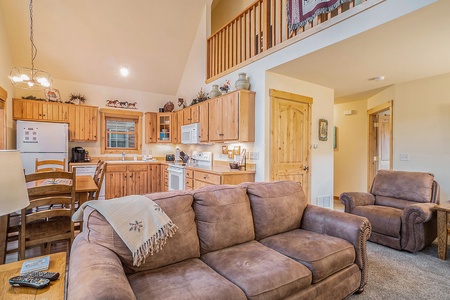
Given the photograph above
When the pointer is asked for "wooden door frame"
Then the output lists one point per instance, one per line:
(372, 138)
(3, 97)
(301, 99)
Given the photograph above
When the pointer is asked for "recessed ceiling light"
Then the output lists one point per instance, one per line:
(378, 78)
(124, 71)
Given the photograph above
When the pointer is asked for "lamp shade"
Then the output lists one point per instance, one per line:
(13, 189)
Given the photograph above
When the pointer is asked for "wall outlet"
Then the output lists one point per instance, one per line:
(254, 155)
(404, 156)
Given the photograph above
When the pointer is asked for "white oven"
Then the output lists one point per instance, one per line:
(177, 178)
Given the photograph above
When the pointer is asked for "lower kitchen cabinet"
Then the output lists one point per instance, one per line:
(202, 179)
(133, 179)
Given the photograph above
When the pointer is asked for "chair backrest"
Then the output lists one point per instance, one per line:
(52, 201)
(98, 179)
(406, 185)
(50, 165)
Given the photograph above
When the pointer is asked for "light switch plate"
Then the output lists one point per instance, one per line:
(404, 156)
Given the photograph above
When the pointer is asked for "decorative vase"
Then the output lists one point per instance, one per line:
(215, 91)
(242, 83)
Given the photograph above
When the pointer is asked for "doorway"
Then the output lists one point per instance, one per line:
(380, 140)
(290, 138)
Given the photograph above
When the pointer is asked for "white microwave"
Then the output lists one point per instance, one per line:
(190, 134)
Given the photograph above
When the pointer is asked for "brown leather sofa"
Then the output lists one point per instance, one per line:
(399, 207)
(250, 241)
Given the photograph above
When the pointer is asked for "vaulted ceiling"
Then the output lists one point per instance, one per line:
(88, 41)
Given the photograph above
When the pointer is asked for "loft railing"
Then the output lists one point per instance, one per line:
(262, 26)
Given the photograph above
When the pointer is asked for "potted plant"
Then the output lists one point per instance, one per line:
(77, 98)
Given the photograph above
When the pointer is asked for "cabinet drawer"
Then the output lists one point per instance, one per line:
(189, 182)
(198, 184)
(138, 168)
(189, 173)
(207, 177)
(115, 168)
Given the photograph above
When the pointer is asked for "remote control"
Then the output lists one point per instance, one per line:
(52, 276)
(37, 283)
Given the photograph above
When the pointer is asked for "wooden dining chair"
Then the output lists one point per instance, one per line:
(50, 165)
(48, 216)
(98, 179)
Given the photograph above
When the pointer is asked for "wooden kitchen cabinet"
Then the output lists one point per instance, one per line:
(191, 114)
(204, 178)
(189, 184)
(123, 180)
(83, 123)
(165, 178)
(35, 110)
(155, 178)
(204, 121)
(82, 119)
(177, 122)
(151, 127)
(232, 117)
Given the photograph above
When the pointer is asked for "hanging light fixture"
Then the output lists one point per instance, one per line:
(30, 78)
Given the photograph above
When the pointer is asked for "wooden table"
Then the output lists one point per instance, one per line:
(442, 231)
(83, 185)
(53, 291)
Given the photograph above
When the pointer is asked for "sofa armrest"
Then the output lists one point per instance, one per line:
(414, 237)
(353, 199)
(352, 228)
(96, 272)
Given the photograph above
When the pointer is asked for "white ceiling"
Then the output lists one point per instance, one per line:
(411, 47)
(88, 41)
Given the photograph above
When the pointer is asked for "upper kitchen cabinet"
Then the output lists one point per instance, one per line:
(164, 126)
(204, 121)
(83, 123)
(82, 119)
(177, 122)
(232, 117)
(158, 127)
(191, 114)
(34, 110)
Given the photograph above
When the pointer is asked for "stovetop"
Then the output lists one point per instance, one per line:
(198, 160)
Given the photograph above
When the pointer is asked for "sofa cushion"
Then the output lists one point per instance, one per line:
(414, 186)
(262, 273)
(178, 206)
(393, 202)
(276, 206)
(189, 279)
(322, 254)
(223, 217)
(384, 220)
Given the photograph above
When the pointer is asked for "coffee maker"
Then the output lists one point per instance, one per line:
(78, 154)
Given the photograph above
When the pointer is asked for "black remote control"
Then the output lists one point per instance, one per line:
(37, 283)
(52, 276)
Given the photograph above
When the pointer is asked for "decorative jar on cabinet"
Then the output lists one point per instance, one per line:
(242, 83)
(215, 91)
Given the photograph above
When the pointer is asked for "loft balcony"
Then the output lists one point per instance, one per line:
(260, 30)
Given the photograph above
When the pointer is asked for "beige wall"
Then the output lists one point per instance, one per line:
(351, 152)
(420, 129)
(5, 67)
(225, 11)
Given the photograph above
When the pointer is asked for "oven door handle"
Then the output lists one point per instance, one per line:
(175, 171)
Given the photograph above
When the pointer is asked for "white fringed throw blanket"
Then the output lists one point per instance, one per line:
(141, 223)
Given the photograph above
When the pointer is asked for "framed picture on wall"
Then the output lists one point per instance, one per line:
(323, 130)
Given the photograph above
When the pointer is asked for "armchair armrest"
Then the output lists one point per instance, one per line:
(414, 237)
(352, 228)
(353, 199)
(96, 272)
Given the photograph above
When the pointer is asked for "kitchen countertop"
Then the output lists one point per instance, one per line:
(219, 168)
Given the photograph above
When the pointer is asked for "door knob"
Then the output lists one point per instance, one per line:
(305, 168)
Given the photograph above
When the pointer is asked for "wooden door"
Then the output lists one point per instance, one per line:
(137, 180)
(290, 138)
(204, 121)
(230, 117)
(215, 119)
(195, 113)
(187, 116)
(384, 139)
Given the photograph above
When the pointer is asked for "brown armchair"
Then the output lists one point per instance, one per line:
(399, 207)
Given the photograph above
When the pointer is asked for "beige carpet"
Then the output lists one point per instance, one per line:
(402, 275)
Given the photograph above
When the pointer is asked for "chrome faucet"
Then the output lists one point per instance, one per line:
(123, 155)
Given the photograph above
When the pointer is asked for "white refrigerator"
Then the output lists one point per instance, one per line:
(41, 140)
